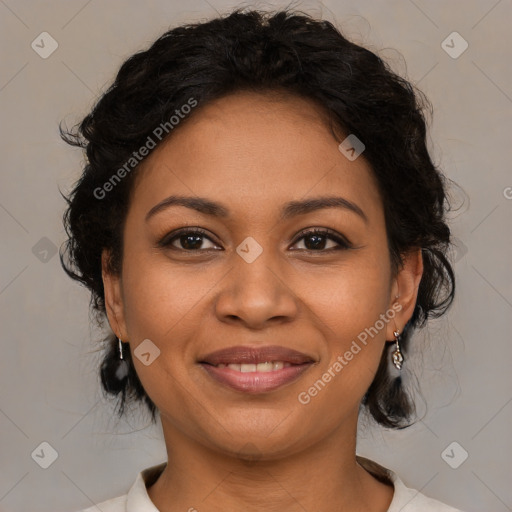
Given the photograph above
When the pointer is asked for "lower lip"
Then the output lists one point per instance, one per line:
(256, 382)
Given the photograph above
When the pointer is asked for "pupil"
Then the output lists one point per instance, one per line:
(194, 241)
(185, 239)
(317, 244)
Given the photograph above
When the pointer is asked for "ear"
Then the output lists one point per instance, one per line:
(405, 285)
(113, 297)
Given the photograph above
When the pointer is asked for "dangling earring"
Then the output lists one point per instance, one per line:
(122, 364)
(398, 358)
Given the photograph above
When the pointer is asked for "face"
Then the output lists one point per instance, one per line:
(257, 275)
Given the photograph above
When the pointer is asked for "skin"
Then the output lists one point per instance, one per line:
(228, 450)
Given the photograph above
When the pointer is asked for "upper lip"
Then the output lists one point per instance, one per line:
(255, 355)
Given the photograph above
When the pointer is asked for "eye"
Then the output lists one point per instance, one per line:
(315, 241)
(191, 240)
(188, 239)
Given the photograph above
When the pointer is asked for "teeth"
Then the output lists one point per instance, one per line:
(268, 366)
(264, 367)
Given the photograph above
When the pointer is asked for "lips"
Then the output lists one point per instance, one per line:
(255, 370)
(255, 355)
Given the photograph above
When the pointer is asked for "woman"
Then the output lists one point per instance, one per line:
(261, 222)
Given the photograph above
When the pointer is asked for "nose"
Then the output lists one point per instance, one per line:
(256, 294)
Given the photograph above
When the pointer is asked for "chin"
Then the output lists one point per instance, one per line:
(255, 444)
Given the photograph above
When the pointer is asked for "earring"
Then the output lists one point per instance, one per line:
(398, 358)
(120, 348)
(122, 365)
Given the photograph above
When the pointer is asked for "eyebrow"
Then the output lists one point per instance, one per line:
(290, 209)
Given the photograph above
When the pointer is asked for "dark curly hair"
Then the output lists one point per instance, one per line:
(287, 52)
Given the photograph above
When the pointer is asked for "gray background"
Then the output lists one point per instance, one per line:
(49, 387)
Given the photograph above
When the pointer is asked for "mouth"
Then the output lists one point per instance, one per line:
(255, 370)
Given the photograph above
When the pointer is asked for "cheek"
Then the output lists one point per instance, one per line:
(349, 299)
(159, 306)
(352, 316)
(159, 298)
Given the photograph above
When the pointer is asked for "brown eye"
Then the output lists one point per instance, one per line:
(315, 241)
(186, 240)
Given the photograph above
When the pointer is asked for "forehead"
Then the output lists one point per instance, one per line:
(254, 149)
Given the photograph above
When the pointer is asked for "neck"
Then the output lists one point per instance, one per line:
(325, 476)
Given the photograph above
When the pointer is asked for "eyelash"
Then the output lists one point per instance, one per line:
(342, 242)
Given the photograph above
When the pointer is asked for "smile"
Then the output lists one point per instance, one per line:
(260, 367)
(255, 378)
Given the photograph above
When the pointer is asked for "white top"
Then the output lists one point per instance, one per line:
(137, 499)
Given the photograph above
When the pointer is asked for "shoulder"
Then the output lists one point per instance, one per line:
(405, 499)
(137, 498)
(411, 500)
